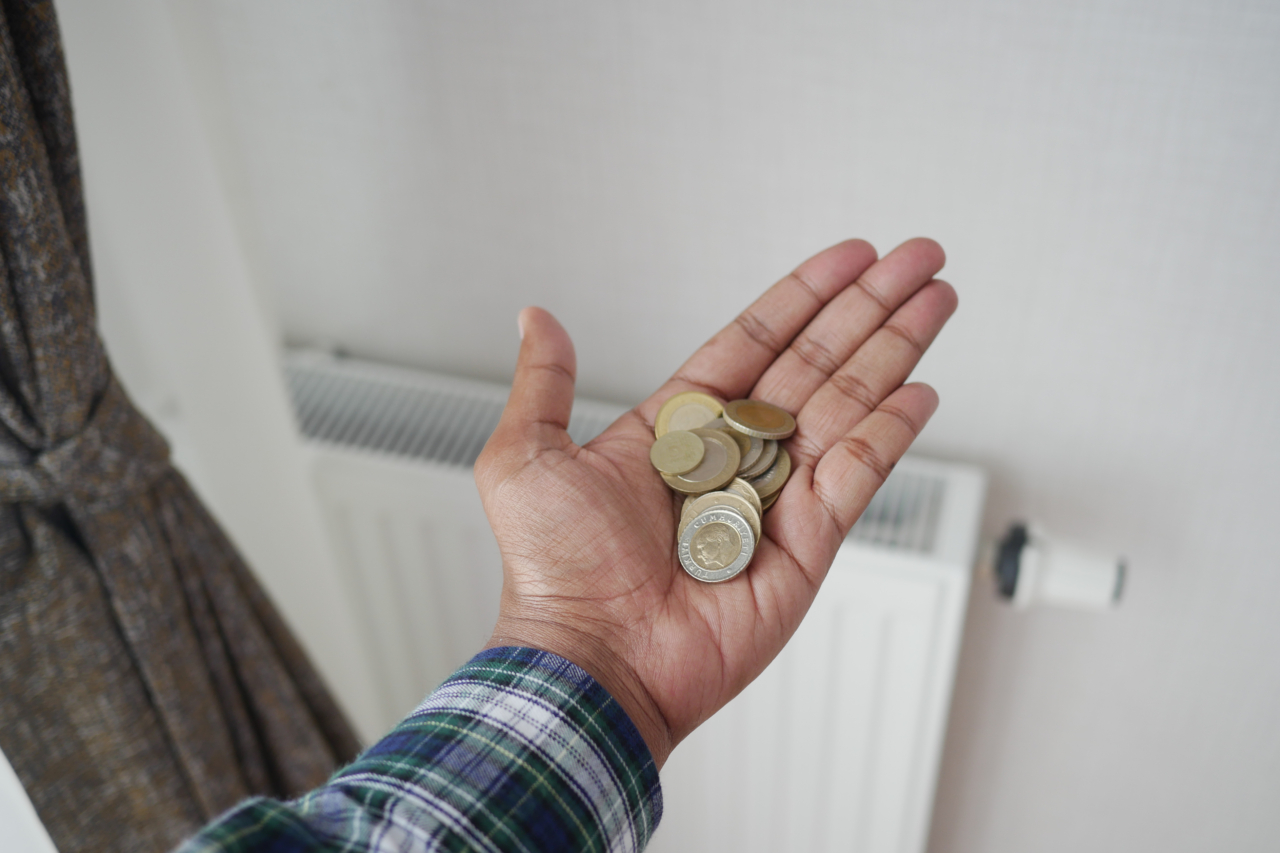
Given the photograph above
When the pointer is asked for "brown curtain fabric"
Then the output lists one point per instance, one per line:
(146, 683)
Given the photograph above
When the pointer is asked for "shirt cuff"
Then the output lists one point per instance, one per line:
(519, 749)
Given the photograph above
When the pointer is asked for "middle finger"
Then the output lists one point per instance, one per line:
(874, 372)
(846, 322)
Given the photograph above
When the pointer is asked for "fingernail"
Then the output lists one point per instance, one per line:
(520, 324)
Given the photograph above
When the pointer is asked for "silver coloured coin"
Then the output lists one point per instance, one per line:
(748, 491)
(716, 545)
(728, 500)
(768, 453)
(741, 439)
(754, 449)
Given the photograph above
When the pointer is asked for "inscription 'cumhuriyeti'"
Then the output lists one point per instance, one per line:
(715, 546)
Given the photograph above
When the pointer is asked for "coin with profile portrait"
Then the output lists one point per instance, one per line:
(729, 478)
(728, 500)
(716, 545)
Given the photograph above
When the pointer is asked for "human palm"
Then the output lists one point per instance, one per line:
(587, 533)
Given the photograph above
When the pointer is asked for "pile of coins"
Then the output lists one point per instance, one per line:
(726, 459)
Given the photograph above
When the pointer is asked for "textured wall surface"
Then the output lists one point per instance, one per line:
(406, 174)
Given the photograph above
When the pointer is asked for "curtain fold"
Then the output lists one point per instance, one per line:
(146, 682)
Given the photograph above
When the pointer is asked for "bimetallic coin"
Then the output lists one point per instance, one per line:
(677, 452)
(743, 440)
(772, 481)
(716, 545)
(752, 454)
(728, 500)
(690, 410)
(768, 454)
(685, 515)
(729, 477)
(741, 487)
(760, 419)
(719, 465)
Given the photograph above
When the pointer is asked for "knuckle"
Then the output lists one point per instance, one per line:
(757, 330)
(815, 354)
(873, 294)
(904, 418)
(830, 504)
(865, 454)
(807, 285)
(802, 445)
(909, 338)
(855, 389)
(557, 370)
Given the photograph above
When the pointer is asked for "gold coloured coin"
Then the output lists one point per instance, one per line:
(690, 410)
(772, 481)
(768, 453)
(685, 515)
(677, 452)
(728, 500)
(741, 487)
(763, 420)
(719, 465)
(743, 440)
(730, 469)
(716, 545)
(752, 454)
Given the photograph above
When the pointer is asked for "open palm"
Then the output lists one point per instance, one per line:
(587, 534)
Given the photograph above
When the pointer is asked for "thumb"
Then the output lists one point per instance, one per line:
(537, 412)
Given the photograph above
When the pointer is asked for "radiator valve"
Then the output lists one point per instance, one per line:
(1033, 568)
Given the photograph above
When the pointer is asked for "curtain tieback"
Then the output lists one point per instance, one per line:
(117, 454)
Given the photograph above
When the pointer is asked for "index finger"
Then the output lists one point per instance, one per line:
(730, 364)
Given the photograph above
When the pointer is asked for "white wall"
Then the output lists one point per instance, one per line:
(184, 325)
(1106, 178)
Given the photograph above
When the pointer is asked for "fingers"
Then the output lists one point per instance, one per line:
(847, 322)
(853, 469)
(878, 367)
(730, 364)
(541, 400)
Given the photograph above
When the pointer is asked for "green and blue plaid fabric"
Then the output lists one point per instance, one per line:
(518, 750)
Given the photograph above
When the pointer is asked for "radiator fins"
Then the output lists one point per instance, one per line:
(444, 420)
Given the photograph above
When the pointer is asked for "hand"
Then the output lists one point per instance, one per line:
(587, 533)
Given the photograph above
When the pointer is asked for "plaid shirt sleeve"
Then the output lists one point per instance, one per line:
(518, 750)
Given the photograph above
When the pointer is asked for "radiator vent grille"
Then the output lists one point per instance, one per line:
(425, 416)
(408, 413)
(904, 513)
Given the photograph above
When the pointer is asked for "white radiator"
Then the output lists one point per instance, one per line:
(834, 747)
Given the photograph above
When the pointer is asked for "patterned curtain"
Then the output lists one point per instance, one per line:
(146, 683)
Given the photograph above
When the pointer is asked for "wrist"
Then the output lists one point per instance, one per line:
(601, 662)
